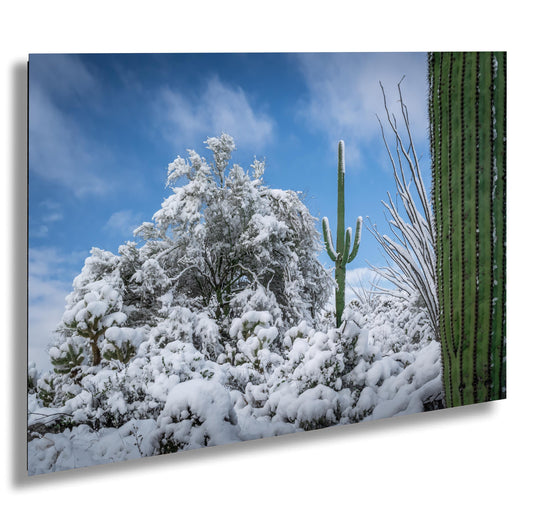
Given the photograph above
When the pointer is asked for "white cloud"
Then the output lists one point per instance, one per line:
(39, 231)
(47, 289)
(345, 96)
(52, 217)
(218, 108)
(123, 223)
(51, 211)
(59, 151)
(48, 213)
(64, 75)
(359, 280)
(361, 276)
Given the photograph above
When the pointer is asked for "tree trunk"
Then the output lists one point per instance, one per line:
(97, 357)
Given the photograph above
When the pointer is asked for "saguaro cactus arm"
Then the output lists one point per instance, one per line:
(357, 239)
(327, 239)
(347, 243)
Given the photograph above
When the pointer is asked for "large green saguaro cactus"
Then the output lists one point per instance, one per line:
(467, 108)
(342, 255)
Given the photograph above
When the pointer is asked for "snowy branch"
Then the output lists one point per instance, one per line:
(412, 248)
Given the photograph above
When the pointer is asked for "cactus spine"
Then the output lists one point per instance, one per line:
(342, 255)
(468, 144)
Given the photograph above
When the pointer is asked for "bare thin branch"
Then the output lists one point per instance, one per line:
(412, 247)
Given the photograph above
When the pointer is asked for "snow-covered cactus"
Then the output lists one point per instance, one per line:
(68, 358)
(91, 316)
(121, 344)
(342, 255)
(467, 109)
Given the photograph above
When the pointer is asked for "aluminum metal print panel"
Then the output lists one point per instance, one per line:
(226, 247)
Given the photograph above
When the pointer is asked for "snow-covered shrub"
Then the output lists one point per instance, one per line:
(403, 383)
(197, 413)
(306, 390)
(140, 388)
(82, 446)
(252, 352)
(185, 325)
(255, 335)
(68, 355)
(398, 368)
(314, 408)
(33, 376)
(182, 399)
(395, 323)
(346, 375)
(47, 389)
(316, 359)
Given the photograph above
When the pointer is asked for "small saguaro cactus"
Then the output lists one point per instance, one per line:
(342, 255)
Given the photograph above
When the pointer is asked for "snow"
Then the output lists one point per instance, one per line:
(380, 363)
(191, 402)
(216, 330)
(405, 393)
(82, 447)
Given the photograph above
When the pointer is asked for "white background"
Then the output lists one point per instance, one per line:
(470, 460)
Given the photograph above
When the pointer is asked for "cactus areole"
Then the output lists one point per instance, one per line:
(341, 255)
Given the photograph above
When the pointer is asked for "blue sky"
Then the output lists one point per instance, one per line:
(102, 129)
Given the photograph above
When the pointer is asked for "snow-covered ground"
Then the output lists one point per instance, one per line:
(217, 329)
(382, 362)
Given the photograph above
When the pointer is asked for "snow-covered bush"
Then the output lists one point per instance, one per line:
(395, 323)
(398, 361)
(306, 390)
(315, 359)
(68, 356)
(33, 377)
(255, 336)
(182, 399)
(197, 413)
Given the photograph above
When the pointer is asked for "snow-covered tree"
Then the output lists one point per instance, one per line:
(221, 245)
(222, 232)
(94, 306)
